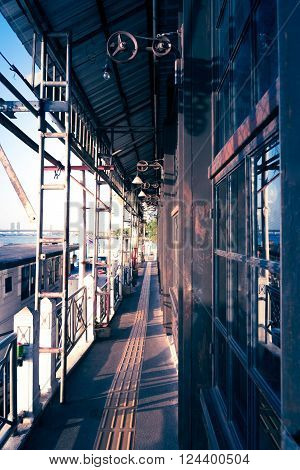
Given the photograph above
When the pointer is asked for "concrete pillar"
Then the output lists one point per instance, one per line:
(47, 371)
(26, 325)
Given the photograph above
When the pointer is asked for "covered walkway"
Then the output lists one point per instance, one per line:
(123, 393)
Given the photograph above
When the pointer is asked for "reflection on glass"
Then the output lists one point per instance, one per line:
(242, 81)
(224, 114)
(266, 47)
(239, 398)
(268, 205)
(221, 290)
(224, 40)
(221, 215)
(238, 211)
(268, 331)
(221, 364)
(269, 435)
(239, 302)
(240, 13)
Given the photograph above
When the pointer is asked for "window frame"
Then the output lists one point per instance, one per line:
(8, 276)
(246, 358)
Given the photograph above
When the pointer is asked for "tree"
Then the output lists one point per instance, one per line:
(151, 230)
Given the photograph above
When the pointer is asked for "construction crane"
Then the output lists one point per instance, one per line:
(17, 186)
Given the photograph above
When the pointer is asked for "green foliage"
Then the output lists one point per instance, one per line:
(151, 230)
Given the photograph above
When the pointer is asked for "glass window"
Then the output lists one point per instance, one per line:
(268, 202)
(269, 434)
(224, 40)
(239, 399)
(224, 113)
(25, 282)
(8, 284)
(240, 13)
(221, 289)
(242, 81)
(57, 269)
(221, 216)
(221, 364)
(32, 279)
(266, 45)
(50, 272)
(268, 327)
(42, 275)
(239, 294)
(238, 211)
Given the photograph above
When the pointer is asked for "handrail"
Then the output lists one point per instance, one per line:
(77, 322)
(8, 386)
(72, 295)
(7, 340)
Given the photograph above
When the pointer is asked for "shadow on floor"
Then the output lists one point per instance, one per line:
(157, 420)
(75, 424)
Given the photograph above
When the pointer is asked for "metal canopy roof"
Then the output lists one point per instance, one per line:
(126, 100)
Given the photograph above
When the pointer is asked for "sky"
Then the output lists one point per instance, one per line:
(24, 160)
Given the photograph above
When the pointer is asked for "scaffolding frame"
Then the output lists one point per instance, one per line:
(77, 132)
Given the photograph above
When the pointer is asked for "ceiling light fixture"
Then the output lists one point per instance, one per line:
(141, 194)
(106, 72)
(137, 180)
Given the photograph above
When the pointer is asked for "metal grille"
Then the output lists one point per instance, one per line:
(8, 382)
(76, 321)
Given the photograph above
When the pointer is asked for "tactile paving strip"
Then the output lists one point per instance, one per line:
(117, 426)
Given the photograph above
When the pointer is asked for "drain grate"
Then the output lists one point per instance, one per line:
(117, 425)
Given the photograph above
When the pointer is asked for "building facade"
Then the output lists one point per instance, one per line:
(229, 221)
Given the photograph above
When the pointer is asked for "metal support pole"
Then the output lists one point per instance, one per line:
(83, 249)
(121, 278)
(41, 193)
(96, 235)
(110, 284)
(66, 241)
(33, 60)
(130, 246)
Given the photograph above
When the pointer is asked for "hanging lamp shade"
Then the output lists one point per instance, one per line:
(137, 180)
(141, 194)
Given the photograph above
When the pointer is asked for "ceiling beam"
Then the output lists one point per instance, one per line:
(40, 23)
(115, 21)
(138, 143)
(133, 110)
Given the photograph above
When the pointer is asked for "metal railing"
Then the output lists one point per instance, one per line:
(76, 321)
(8, 385)
(103, 300)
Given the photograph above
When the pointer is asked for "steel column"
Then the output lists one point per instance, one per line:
(66, 242)
(83, 247)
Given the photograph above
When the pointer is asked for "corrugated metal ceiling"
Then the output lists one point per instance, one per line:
(127, 98)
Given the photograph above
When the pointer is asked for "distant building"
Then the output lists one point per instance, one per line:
(12, 226)
(18, 226)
